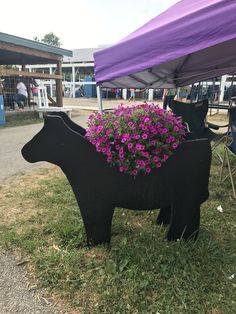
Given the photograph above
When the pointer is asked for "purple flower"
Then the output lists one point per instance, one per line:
(145, 154)
(108, 131)
(100, 128)
(131, 133)
(134, 172)
(165, 157)
(138, 146)
(175, 145)
(155, 159)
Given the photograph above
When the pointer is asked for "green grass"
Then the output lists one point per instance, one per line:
(19, 118)
(22, 122)
(140, 272)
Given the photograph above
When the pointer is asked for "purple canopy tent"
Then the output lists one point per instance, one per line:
(192, 41)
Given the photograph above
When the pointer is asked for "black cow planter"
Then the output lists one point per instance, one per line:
(178, 187)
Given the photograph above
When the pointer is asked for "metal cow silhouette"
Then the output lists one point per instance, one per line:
(179, 187)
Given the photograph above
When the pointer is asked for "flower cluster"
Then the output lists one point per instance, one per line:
(136, 138)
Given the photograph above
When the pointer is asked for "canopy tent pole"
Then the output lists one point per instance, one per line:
(213, 90)
(99, 97)
(124, 93)
(212, 96)
(150, 94)
(231, 90)
(222, 88)
(177, 93)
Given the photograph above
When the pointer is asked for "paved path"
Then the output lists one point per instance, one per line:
(15, 295)
(11, 142)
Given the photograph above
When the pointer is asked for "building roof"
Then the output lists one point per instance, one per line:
(33, 44)
(81, 55)
(18, 50)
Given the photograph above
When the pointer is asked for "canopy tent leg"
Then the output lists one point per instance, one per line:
(124, 93)
(231, 90)
(150, 94)
(99, 98)
(177, 92)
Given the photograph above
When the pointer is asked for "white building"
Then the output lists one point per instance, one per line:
(76, 70)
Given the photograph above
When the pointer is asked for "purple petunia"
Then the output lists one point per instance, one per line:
(138, 138)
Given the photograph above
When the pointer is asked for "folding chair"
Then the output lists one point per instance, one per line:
(230, 150)
(194, 114)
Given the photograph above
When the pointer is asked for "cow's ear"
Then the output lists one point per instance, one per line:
(54, 122)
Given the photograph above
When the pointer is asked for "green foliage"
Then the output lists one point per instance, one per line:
(13, 67)
(50, 39)
(140, 272)
(17, 118)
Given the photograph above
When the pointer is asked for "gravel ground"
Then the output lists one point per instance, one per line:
(17, 296)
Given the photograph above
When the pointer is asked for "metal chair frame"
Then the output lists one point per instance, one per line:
(228, 151)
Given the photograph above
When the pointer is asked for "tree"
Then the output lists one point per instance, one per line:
(50, 39)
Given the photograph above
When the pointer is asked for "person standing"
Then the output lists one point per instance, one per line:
(168, 96)
(117, 93)
(21, 94)
(132, 94)
(183, 93)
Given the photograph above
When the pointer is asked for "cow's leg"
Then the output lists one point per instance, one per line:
(185, 219)
(97, 222)
(164, 216)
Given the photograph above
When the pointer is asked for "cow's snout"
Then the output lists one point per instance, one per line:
(27, 153)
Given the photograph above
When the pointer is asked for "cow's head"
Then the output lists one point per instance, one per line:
(48, 144)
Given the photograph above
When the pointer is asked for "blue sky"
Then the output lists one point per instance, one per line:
(79, 24)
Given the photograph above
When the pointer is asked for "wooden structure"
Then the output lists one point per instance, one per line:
(21, 52)
(43, 107)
